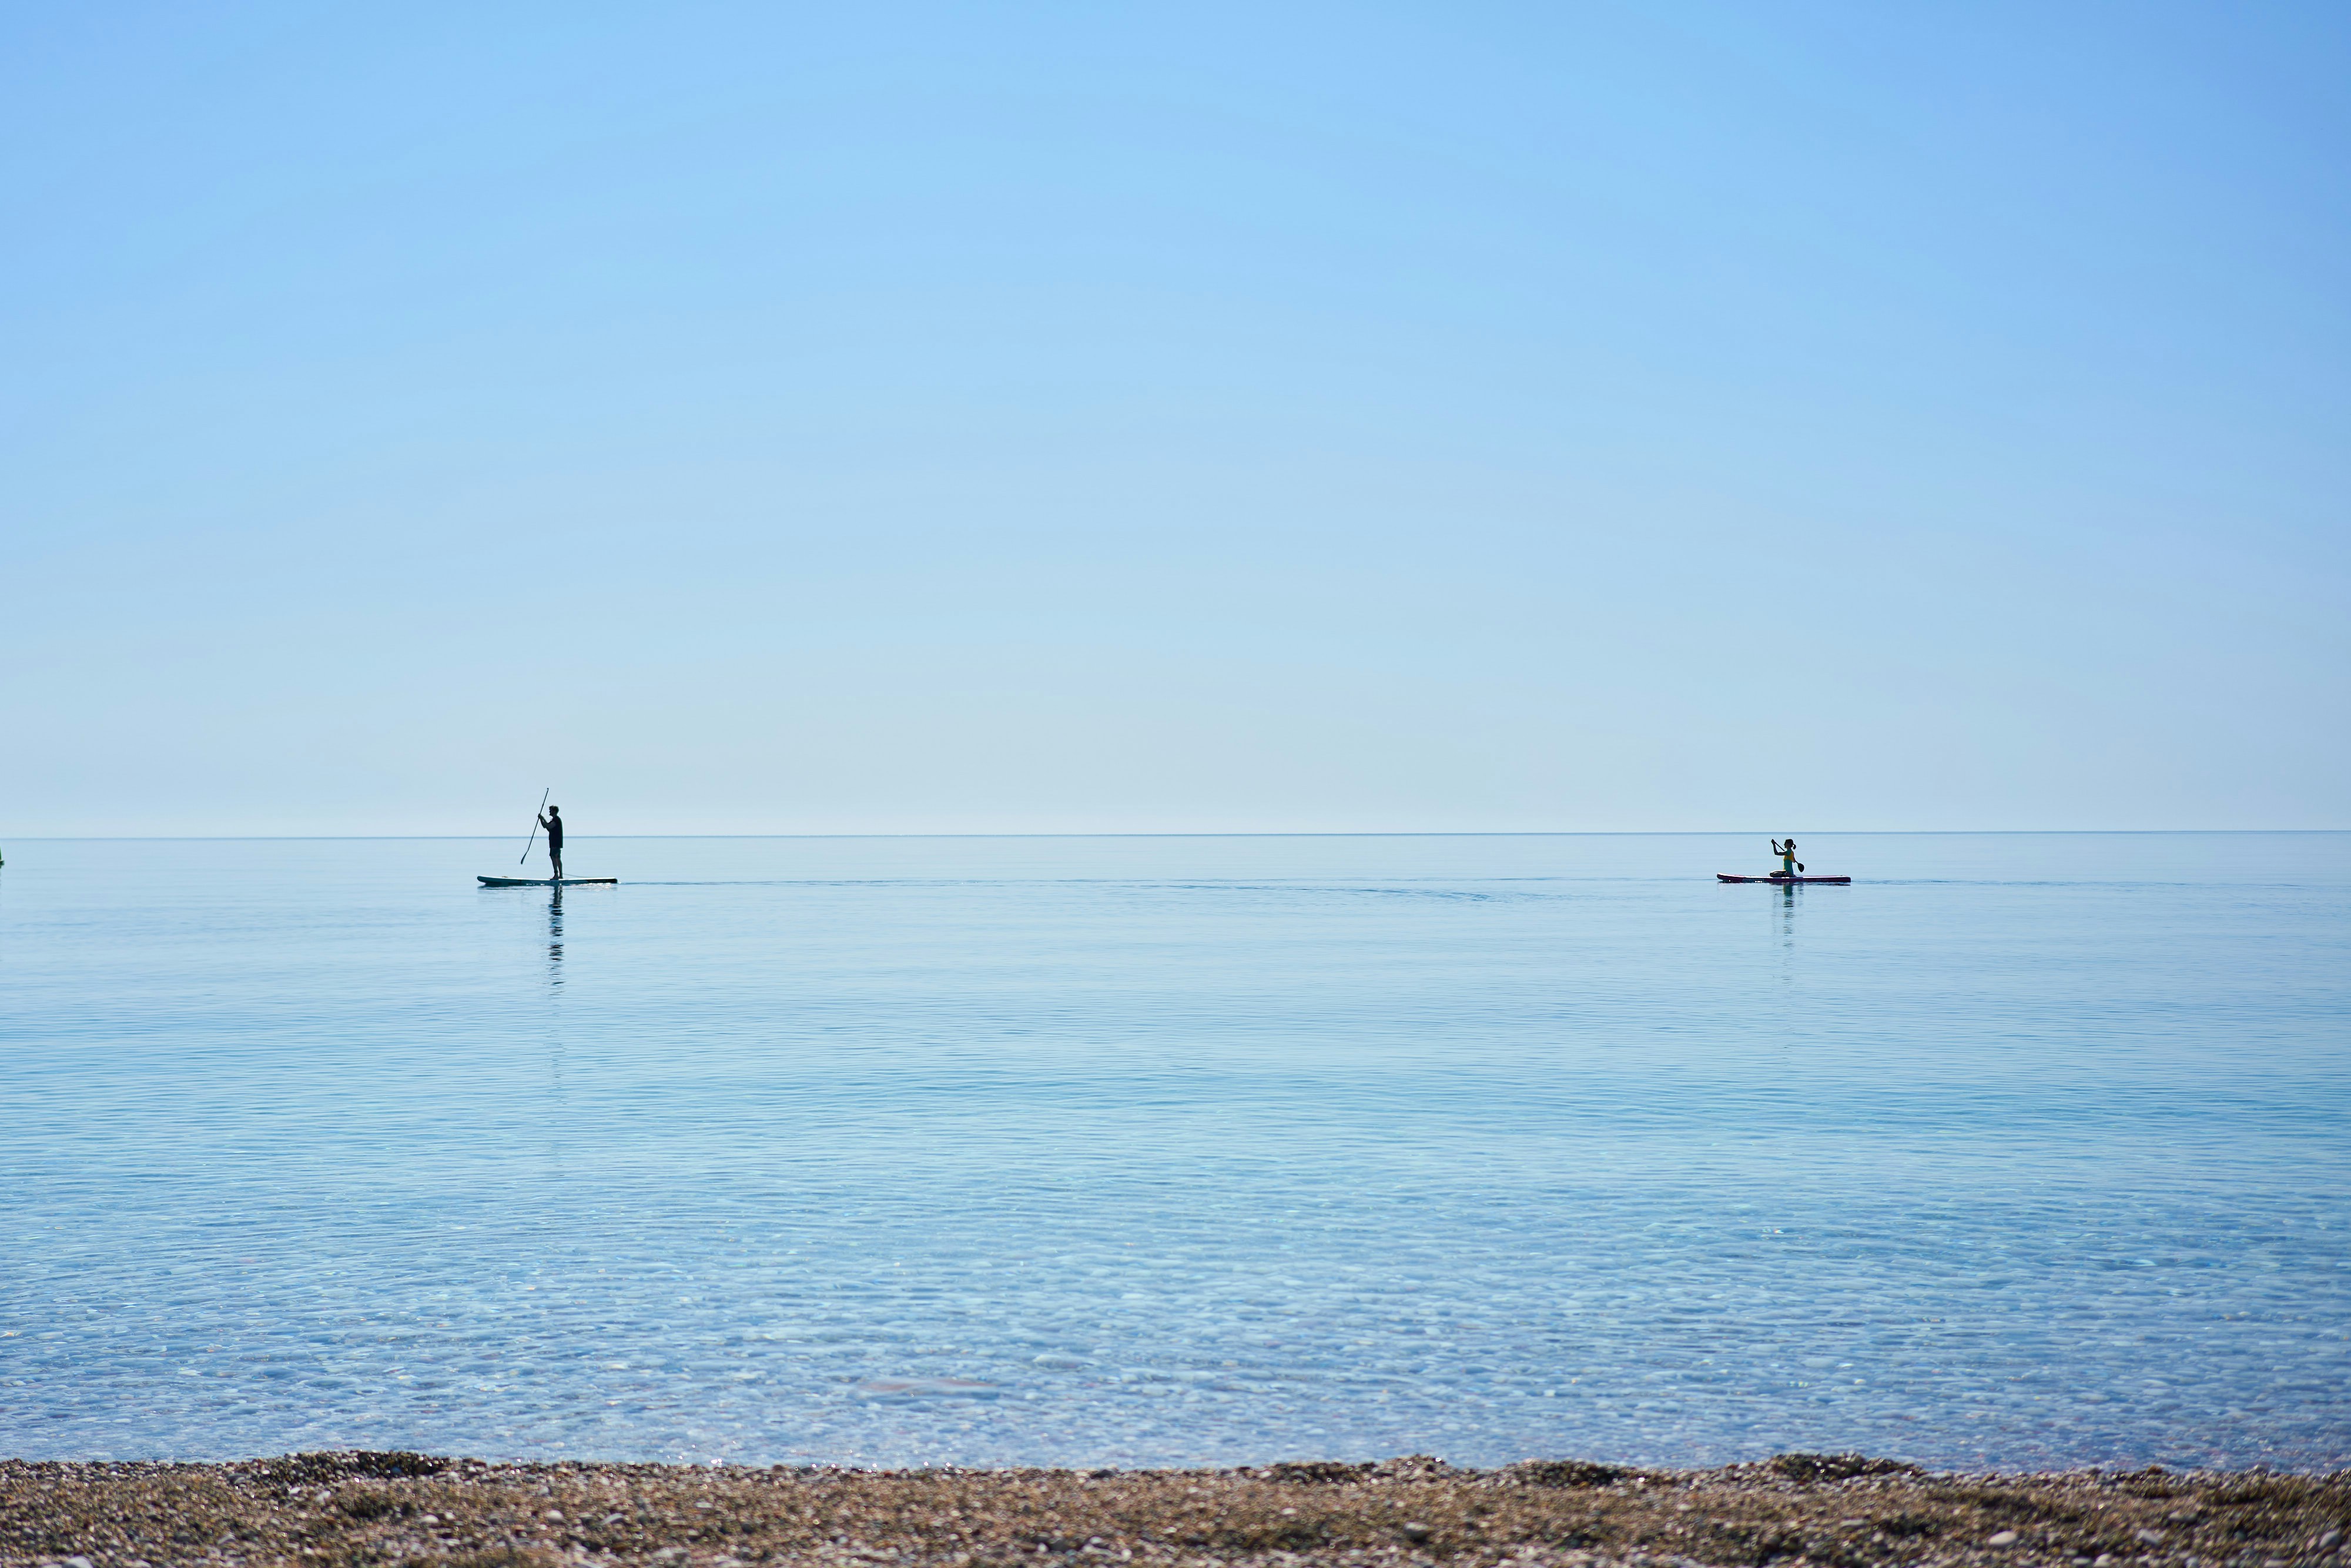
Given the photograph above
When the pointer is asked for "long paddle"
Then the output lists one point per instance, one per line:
(535, 816)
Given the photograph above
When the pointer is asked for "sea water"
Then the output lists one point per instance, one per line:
(2021, 1151)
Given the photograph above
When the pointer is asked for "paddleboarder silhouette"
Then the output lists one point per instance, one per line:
(553, 823)
(1787, 854)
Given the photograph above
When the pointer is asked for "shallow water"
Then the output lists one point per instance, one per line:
(2024, 1150)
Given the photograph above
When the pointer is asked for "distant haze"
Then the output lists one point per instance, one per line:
(961, 418)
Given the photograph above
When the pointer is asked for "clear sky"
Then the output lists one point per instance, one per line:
(1174, 418)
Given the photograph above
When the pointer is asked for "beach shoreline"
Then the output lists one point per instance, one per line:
(1843, 1510)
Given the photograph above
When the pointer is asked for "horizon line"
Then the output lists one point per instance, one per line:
(1181, 834)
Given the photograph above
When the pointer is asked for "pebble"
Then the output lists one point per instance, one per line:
(1855, 1511)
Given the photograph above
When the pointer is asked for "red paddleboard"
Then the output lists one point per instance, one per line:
(1775, 876)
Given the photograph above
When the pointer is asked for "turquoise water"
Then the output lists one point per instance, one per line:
(2023, 1150)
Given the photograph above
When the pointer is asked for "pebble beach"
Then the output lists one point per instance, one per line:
(358, 1508)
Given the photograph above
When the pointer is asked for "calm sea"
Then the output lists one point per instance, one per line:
(2021, 1151)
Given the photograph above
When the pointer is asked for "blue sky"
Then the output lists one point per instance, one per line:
(969, 418)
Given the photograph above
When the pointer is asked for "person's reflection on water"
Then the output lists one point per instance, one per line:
(555, 936)
(557, 1120)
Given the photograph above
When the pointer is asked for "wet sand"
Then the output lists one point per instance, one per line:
(373, 1508)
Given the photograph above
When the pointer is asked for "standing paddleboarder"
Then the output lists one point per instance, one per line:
(553, 823)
